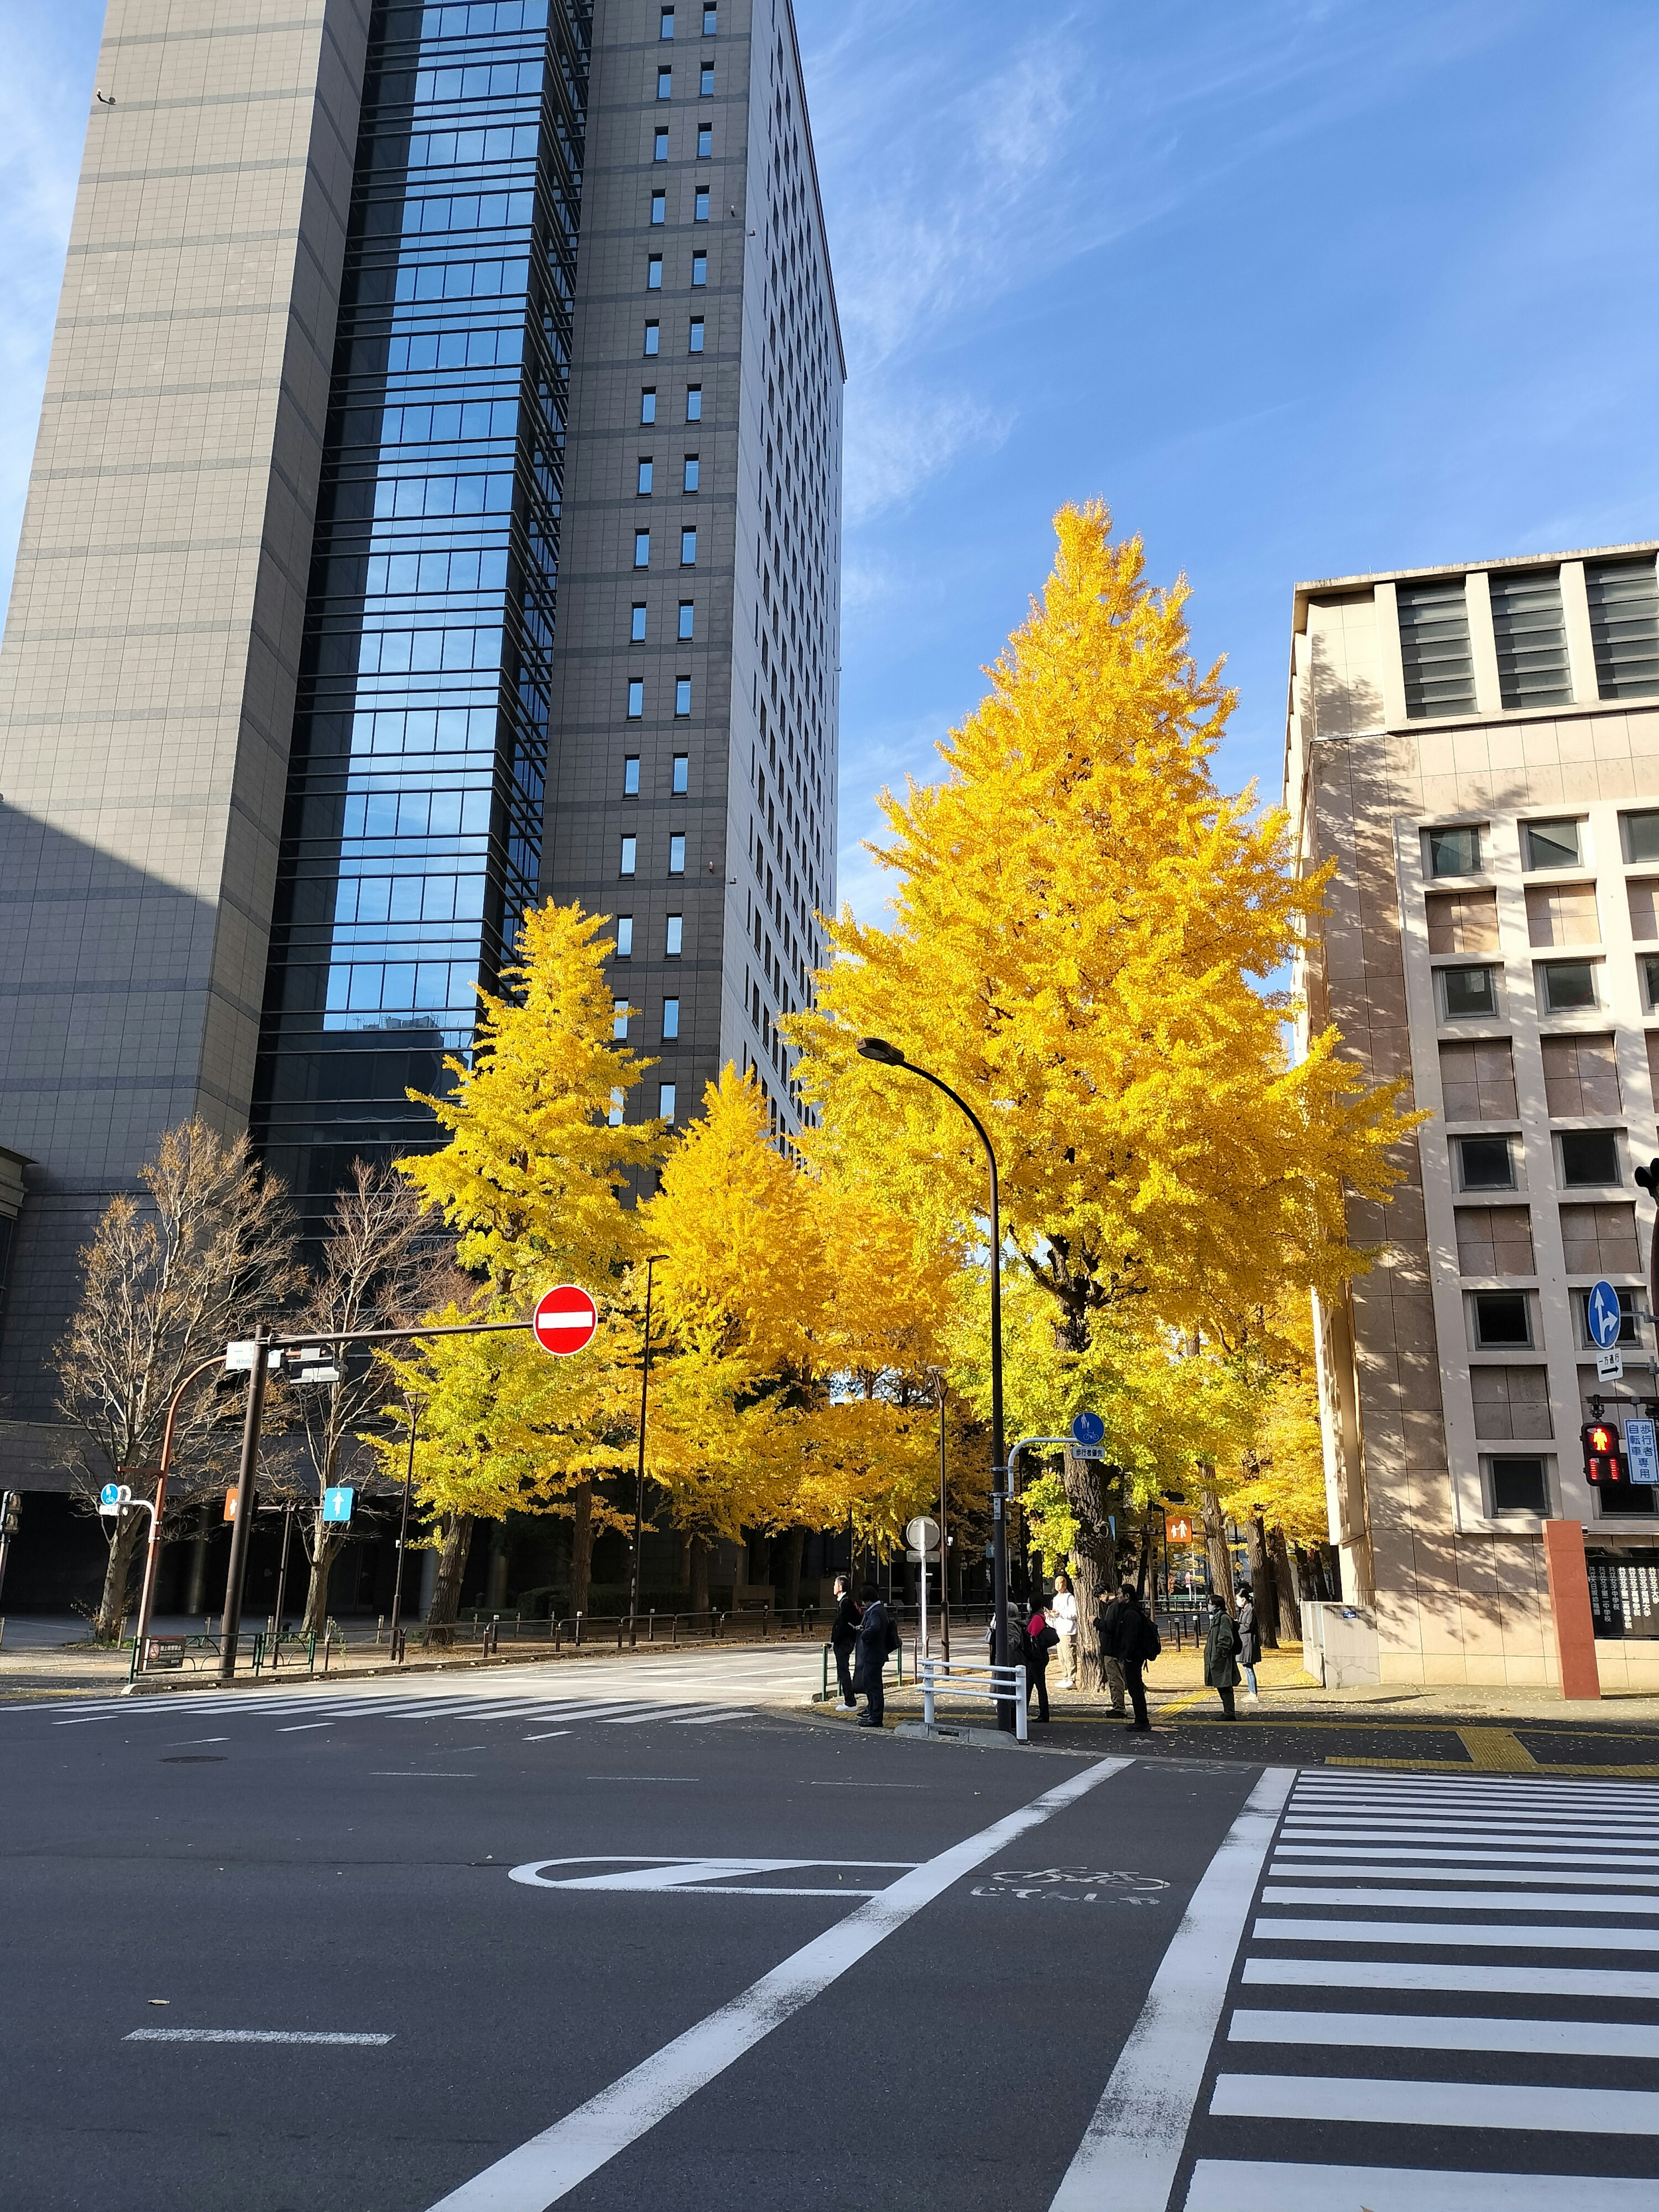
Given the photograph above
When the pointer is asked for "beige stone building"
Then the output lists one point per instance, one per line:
(1477, 749)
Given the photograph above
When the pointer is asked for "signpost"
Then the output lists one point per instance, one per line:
(921, 1535)
(1177, 1529)
(336, 1504)
(1642, 1449)
(564, 1320)
(1601, 1311)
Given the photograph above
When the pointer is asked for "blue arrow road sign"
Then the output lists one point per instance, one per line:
(1088, 1428)
(336, 1504)
(1602, 1308)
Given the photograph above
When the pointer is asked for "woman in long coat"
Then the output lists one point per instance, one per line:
(1220, 1656)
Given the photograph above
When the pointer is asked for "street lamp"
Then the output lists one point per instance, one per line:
(889, 1055)
(639, 1471)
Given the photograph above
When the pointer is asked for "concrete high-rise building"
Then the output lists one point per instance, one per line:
(436, 508)
(1477, 749)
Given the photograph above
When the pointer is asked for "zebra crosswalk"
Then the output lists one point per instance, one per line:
(285, 1709)
(1403, 1981)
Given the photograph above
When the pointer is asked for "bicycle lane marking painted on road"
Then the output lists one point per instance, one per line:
(1132, 2146)
(550, 2165)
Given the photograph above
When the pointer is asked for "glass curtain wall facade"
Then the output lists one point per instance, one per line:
(411, 839)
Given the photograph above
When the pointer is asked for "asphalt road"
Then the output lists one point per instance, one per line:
(807, 1966)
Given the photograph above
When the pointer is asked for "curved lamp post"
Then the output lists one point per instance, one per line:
(889, 1055)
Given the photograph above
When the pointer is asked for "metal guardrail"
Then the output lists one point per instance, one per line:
(968, 1677)
(828, 1655)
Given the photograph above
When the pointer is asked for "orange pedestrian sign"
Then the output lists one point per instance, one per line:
(230, 1503)
(1177, 1529)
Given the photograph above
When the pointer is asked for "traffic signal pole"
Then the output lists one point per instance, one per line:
(230, 1625)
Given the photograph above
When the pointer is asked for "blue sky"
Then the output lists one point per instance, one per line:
(1301, 288)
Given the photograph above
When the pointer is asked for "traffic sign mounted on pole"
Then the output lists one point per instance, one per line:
(565, 1320)
(336, 1504)
(1601, 1311)
(1089, 1428)
(1642, 1449)
(921, 1535)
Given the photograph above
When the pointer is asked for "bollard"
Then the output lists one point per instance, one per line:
(651, 1627)
(579, 1632)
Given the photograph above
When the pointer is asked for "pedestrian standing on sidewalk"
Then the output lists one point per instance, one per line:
(1249, 1642)
(1135, 1644)
(878, 1636)
(843, 1641)
(1062, 1617)
(1220, 1650)
(1111, 1665)
(1041, 1637)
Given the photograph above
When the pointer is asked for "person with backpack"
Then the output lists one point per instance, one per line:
(1220, 1650)
(1041, 1637)
(1135, 1642)
(1250, 1641)
(878, 1636)
(843, 1641)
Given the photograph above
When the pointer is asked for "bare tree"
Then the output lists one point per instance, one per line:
(385, 1262)
(168, 1277)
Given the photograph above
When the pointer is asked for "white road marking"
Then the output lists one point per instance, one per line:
(1459, 1901)
(1470, 1936)
(1552, 1877)
(1432, 1974)
(179, 1742)
(1395, 2031)
(695, 1877)
(1132, 2147)
(1228, 2184)
(418, 1774)
(707, 1720)
(552, 2164)
(549, 1737)
(87, 1720)
(298, 1728)
(1372, 2103)
(244, 2035)
(1466, 1854)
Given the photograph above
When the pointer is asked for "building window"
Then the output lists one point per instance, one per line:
(705, 141)
(648, 403)
(636, 627)
(1519, 1483)
(677, 853)
(624, 937)
(708, 17)
(652, 332)
(631, 846)
(1454, 852)
(1641, 835)
(1531, 638)
(660, 147)
(706, 82)
(1467, 990)
(694, 403)
(642, 485)
(654, 273)
(1502, 1320)
(699, 268)
(688, 549)
(695, 341)
(699, 205)
(666, 1101)
(665, 84)
(688, 618)
(682, 694)
(631, 776)
(1651, 983)
(676, 935)
(689, 481)
(1484, 1163)
(642, 548)
(1434, 649)
(1566, 986)
(619, 1018)
(1624, 613)
(659, 207)
(636, 697)
(1590, 1159)
(1550, 844)
(1627, 1332)
(681, 782)
(667, 30)
(671, 1020)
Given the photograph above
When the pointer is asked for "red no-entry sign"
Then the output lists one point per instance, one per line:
(565, 1320)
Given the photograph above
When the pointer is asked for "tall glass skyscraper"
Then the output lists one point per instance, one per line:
(436, 508)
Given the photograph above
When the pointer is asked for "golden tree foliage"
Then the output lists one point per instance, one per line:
(1083, 922)
(534, 1173)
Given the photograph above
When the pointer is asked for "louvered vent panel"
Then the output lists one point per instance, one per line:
(1531, 638)
(1623, 613)
(1434, 648)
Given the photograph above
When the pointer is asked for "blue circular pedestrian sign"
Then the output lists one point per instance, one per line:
(1089, 1428)
(110, 1494)
(1601, 1311)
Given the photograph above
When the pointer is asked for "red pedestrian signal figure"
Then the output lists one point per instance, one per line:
(1601, 1456)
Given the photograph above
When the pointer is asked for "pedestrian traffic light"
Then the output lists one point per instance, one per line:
(1603, 1459)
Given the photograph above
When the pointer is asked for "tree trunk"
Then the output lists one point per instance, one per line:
(1290, 1613)
(1094, 1560)
(698, 1567)
(452, 1565)
(581, 1548)
(130, 1528)
(795, 1547)
(1215, 1541)
(1261, 1580)
(327, 1540)
(683, 1565)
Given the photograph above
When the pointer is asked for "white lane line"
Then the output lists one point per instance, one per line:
(707, 1720)
(1432, 1974)
(552, 2163)
(1469, 1935)
(1132, 2145)
(1237, 2184)
(298, 1728)
(1411, 2103)
(549, 1737)
(1398, 2030)
(179, 1742)
(87, 1720)
(418, 1774)
(1552, 1876)
(244, 2035)
(648, 1713)
(1458, 1900)
(1468, 1855)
